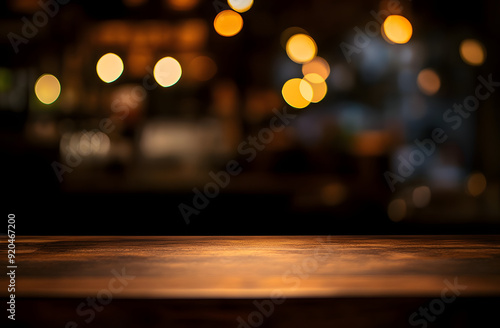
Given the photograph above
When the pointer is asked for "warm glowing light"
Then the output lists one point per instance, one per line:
(240, 5)
(371, 143)
(167, 71)
(109, 67)
(472, 52)
(138, 58)
(317, 66)
(47, 89)
(476, 184)
(288, 33)
(228, 23)
(314, 78)
(333, 194)
(297, 93)
(396, 210)
(182, 5)
(91, 143)
(301, 48)
(202, 68)
(85, 144)
(318, 86)
(421, 196)
(306, 90)
(397, 29)
(192, 34)
(428, 81)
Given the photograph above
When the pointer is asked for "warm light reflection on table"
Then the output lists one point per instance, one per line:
(250, 266)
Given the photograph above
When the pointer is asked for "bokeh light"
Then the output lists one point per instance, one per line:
(202, 68)
(306, 90)
(167, 71)
(318, 66)
(288, 33)
(396, 210)
(421, 196)
(85, 144)
(240, 5)
(109, 67)
(472, 52)
(333, 194)
(428, 81)
(91, 143)
(297, 93)
(397, 29)
(182, 5)
(192, 35)
(301, 48)
(228, 23)
(47, 88)
(318, 85)
(314, 78)
(476, 184)
(370, 143)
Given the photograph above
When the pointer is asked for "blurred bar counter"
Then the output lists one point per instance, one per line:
(208, 281)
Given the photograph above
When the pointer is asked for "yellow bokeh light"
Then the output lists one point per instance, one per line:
(240, 5)
(396, 210)
(318, 86)
(297, 93)
(428, 81)
(228, 23)
(289, 32)
(306, 90)
(476, 184)
(167, 71)
(109, 67)
(472, 52)
(421, 196)
(314, 78)
(397, 29)
(317, 66)
(301, 48)
(47, 89)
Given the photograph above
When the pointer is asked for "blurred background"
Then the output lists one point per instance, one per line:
(269, 117)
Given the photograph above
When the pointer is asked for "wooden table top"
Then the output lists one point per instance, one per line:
(254, 266)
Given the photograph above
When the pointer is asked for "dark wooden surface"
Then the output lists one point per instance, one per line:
(255, 266)
(337, 281)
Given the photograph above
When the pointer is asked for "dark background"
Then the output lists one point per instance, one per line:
(280, 192)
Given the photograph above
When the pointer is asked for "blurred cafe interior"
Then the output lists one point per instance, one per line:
(191, 117)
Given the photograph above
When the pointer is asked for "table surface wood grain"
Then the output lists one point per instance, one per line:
(255, 266)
